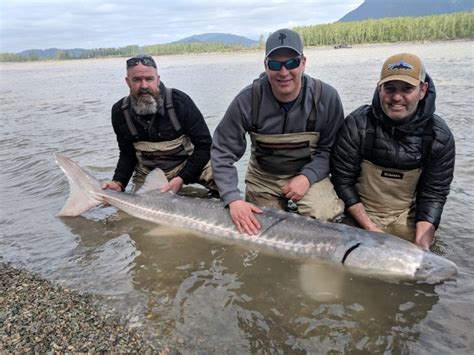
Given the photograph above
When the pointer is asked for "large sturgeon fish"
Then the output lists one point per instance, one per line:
(357, 250)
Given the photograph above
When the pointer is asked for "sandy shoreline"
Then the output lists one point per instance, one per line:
(39, 316)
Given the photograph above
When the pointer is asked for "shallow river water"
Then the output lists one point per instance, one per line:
(206, 296)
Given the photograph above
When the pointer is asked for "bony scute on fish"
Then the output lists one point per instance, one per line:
(359, 251)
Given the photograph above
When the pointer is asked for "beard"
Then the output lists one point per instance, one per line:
(146, 105)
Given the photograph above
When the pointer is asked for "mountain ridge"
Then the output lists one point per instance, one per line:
(226, 38)
(376, 9)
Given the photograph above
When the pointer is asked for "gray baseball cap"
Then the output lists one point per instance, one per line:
(284, 38)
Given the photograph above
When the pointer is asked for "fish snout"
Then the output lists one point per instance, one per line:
(402, 260)
(435, 268)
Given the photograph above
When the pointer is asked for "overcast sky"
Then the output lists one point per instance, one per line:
(65, 24)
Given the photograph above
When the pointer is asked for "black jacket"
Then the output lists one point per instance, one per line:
(192, 125)
(397, 145)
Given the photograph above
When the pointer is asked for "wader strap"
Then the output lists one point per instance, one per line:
(170, 108)
(128, 119)
(311, 124)
(255, 104)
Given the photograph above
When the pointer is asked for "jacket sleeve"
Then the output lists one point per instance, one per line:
(228, 146)
(436, 177)
(127, 156)
(195, 127)
(330, 115)
(347, 156)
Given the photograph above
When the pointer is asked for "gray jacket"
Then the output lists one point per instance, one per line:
(229, 140)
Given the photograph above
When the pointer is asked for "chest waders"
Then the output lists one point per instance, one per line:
(170, 156)
(275, 158)
(389, 194)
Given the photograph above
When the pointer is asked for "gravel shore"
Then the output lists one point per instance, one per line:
(39, 316)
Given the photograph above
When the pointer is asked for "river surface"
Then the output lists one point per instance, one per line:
(205, 296)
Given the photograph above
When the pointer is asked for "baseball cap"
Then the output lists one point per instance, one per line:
(405, 67)
(284, 38)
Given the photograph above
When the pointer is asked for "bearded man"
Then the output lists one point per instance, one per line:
(158, 127)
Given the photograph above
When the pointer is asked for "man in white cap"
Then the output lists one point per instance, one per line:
(393, 161)
(292, 120)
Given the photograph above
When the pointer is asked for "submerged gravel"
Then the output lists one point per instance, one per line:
(39, 316)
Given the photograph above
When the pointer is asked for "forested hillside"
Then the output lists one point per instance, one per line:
(399, 29)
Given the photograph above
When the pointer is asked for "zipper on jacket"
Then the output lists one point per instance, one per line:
(397, 150)
(284, 122)
(150, 127)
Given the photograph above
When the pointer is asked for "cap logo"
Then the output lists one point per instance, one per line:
(400, 65)
(282, 37)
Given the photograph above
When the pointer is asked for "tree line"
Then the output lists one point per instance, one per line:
(400, 29)
(195, 47)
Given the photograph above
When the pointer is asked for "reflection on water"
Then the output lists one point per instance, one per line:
(205, 296)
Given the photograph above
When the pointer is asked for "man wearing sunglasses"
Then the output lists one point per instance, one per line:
(158, 127)
(292, 120)
(393, 160)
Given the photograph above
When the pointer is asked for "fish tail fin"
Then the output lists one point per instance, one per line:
(85, 190)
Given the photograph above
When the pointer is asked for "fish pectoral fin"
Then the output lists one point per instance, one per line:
(77, 203)
(155, 180)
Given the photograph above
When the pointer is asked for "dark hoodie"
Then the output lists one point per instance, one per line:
(397, 145)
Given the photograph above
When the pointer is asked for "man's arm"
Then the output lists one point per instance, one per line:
(346, 162)
(329, 118)
(358, 212)
(346, 157)
(437, 175)
(228, 146)
(195, 127)
(127, 157)
(424, 235)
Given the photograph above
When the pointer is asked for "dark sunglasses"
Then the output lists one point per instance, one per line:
(144, 59)
(289, 64)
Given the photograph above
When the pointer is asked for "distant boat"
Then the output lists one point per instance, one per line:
(342, 45)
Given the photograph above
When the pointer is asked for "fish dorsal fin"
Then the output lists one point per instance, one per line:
(155, 180)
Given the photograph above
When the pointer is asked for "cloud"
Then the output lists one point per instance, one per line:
(28, 24)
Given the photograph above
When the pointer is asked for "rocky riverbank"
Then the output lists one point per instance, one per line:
(39, 316)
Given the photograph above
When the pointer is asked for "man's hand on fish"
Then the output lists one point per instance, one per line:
(174, 185)
(113, 185)
(242, 214)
